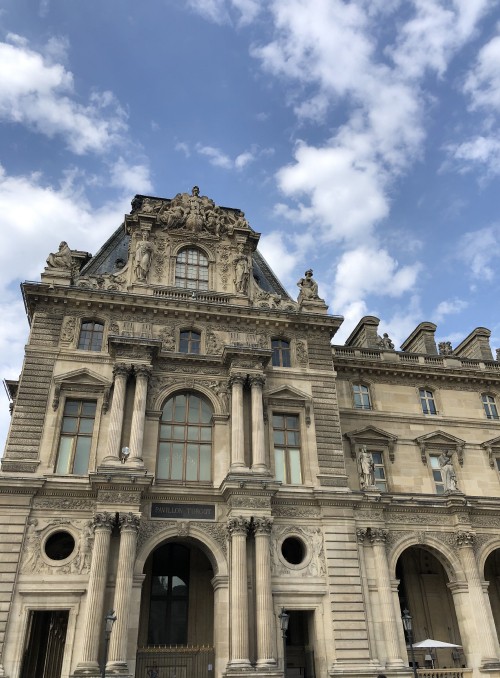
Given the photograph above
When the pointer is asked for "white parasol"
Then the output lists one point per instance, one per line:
(428, 642)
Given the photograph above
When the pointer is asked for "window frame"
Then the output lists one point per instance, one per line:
(361, 384)
(428, 399)
(287, 465)
(436, 469)
(177, 278)
(281, 351)
(490, 406)
(92, 333)
(381, 465)
(84, 398)
(185, 440)
(190, 340)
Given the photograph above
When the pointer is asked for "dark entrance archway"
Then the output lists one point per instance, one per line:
(492, 576)
(424, 591)
(176, 627)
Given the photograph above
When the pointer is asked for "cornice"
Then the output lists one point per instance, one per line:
(105, 300)
(369, 417)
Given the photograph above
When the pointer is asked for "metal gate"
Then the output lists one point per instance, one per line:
(192, 661)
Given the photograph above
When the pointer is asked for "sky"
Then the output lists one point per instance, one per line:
(361, 139)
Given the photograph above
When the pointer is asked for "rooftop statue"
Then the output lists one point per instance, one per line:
(385, 342)
(308, 288)
(60, 259)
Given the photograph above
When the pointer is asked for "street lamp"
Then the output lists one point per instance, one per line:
(284, 618)
(109, 620)
(407, 625)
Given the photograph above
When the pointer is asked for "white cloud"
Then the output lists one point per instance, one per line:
(36, 92)
(130, 178)
(215, 156)
(479, 250)
(281, 256)
(243, 159)
(221, 11)
(448, 307)
(328, 51)
(366, 270)
(482, 83)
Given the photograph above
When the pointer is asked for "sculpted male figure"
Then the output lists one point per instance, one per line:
(366, 468)
(61, 258)
(308, 287)
(447, 472)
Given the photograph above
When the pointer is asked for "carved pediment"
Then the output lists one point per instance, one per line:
(440, 440)
(81, 381)
(290, 396)
(371, 435)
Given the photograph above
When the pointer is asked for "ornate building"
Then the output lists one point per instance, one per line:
(188, 449)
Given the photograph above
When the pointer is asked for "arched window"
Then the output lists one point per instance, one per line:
(490, 406)
(427, 401)
(185, 444)
(91, 333)
(281, 353)
(191, 269)
(189, 341)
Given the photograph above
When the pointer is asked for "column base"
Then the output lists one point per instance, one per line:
(261, 468)
(118, 668)
(239, 666)
(110, 462)
(135, 462)
(90, 669)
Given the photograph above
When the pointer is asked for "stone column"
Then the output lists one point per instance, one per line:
(479, 607)
(237, 424)
(387, 617)
(117, 656)
(257, 382)
(360, 538)
(264, 615)
(120, 372)
(142, 374)
(94, 612)
(238, 530)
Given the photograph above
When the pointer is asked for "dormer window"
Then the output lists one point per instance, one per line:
(191, 269)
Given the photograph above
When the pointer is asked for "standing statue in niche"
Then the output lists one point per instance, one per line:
(241, 272)
(32, 545)
(142, 259)
(61, 258)
(447, 472)
(85, 548)
(366, 468)
(308, 287)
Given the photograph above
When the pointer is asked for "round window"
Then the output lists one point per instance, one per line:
(293, 550)
(59, 546)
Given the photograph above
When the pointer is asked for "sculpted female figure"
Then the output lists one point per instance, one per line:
(366, 468)
(142, 260)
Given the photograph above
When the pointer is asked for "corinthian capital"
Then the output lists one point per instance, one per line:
(257, 380)
(378, 536)
(262, 525)
(143, 371)
(121, 370)
(103, 521)
(465, 539)
(129, 521)
(360, 535)
(238, 526)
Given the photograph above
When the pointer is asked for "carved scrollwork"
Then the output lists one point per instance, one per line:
(129, 522)
(238, 526)
(465, 538)
(262, 525)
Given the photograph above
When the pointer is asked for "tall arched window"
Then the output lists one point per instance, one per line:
(191, 269)
(185, 444)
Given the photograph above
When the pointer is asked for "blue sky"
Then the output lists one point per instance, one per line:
(361, 138)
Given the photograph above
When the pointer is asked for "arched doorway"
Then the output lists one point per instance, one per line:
(176, 626)
(492, 576)
(424, 591)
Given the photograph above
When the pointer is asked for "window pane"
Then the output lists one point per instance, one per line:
(278, 421)
(205, 462)
(192, 432)
(377, 457)
(205, 433)
(279, 437)
(163, 470)
(293, 438)
(279, 461)
(206, 413)
(295, 472)
(379, 473)
(165, 431)
(86, 425)
(88, 409)
(71, 407)
(177, 452)
(69, 425)
(180, 408)
(194, 409)
(82, 455)
(64, 455)
(178, 432)
(167, 411)
(192, 462)
(292, 422)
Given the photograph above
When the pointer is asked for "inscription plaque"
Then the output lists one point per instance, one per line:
(183, 511)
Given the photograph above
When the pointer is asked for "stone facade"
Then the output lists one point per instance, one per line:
(189, 450)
